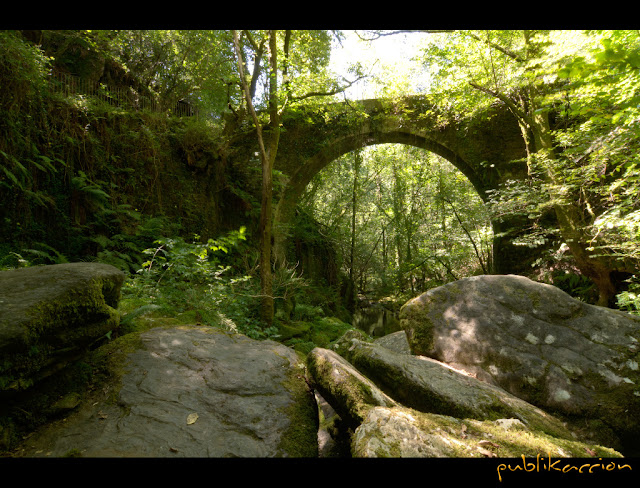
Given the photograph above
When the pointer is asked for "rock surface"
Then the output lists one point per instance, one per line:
(194, 392)
(396, 341)
(536, 342)
(190, 391)
(50, 314)
(402, 432)
(383, 427)
(349, 392)
(430, 386)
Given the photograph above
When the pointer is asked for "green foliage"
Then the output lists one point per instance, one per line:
(629, 300)
(194, 282)
(194, 262)
(601, 148)
(177, 64)
(84, 178)
(417, 219)
(317, 330)
(586, 84)
(24, 165)
(576, 285)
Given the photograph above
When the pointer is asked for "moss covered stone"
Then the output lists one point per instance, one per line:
(50, 314)
(430, 386)
(349, 392)
(539, 344)
(404, 432)
(250, 399)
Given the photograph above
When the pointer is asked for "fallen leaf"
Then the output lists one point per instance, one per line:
(173, 449)
(486, 453)
(191, 418)
(488, 444)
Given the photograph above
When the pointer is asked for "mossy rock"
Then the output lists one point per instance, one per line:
(291, 330)
(403, 432)
(572, 359)
(349, 392)
(430, 386)
(51, 314)
(251, 400)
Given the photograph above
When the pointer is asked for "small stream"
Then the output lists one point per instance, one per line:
(376, 318)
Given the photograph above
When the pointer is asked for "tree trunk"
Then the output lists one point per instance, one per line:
(268, 155)
(354, 201)
(398, 211)
(569, 215)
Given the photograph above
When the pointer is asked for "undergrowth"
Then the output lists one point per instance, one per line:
(208, 283)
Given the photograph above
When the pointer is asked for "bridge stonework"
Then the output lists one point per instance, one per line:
(487, 148)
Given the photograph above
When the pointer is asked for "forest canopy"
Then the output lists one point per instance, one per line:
(81, 172)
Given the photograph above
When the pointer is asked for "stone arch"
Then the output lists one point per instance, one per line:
(488, 148)
(485, 148)
(299, 181)
(301, 178)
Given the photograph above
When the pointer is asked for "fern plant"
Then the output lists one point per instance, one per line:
(629, 300)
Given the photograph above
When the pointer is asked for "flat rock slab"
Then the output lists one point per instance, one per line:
(49, 313)
(430, 386)
(536, 342)
(406, 433)
(196, 392)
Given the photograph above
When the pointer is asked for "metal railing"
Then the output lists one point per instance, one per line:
(125, 97)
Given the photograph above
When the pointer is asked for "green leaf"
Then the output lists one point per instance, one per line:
(11, 176)
(564, 72)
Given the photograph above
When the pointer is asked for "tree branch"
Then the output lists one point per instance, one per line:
(328, 93)
(507, 101)
(379, 34)
(512, 55)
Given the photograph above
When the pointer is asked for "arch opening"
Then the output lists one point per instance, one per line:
(403, 216)
(487, 149)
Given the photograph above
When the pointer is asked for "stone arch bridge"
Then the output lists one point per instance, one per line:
(487, 148)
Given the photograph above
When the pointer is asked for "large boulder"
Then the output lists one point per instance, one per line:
(380, 426)
(538, 343)
(50, 314)
(349, 392)
(431, 386)
(191, 392)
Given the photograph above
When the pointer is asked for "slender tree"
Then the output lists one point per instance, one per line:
(268, 152)
(303, 79)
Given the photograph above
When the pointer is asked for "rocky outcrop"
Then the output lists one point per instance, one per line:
(402, 432)
(538, 343)
(349, 392)
(428, 385)
(193, 392)
(383, 426)
(49, 315)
